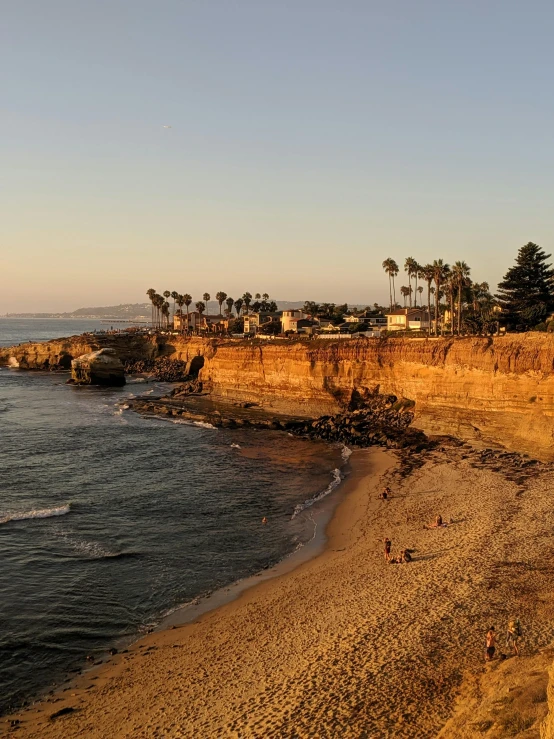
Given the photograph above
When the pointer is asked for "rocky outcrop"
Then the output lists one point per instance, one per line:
(102, 367)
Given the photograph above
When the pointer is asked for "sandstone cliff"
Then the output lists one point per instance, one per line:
(493, 391)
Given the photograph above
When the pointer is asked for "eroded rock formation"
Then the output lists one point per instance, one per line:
(102, 367)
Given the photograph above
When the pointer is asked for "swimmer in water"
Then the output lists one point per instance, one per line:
(264, 520)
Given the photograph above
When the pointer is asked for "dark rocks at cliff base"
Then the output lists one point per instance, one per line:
(102, 367)
(191, 386)
(163, 369)
(383, 422)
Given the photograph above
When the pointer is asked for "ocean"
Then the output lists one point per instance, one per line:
(109, 521)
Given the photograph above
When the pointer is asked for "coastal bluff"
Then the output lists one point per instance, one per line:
(490, 391)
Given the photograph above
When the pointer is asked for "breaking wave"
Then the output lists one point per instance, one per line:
(335, 482)
(46, 513)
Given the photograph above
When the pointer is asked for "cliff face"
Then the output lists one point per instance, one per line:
(497, 391)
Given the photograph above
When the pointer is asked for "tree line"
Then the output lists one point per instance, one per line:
(525, 297)
(161, 308)
(469, 305)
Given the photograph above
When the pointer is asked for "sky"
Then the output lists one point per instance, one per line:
(309, 141)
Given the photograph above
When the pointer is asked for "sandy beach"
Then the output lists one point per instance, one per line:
(345, 645)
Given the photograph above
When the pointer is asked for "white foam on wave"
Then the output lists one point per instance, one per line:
(45, 513)
(88, 549)
(235, 446)
(345, 453)
(185, 422)
(335, 482)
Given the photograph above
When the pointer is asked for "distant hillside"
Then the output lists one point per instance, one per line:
(127, 311)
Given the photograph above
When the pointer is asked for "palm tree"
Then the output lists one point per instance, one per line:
(165, 312)
(158, 302)
(200, 307)
(221, 298)
(174, 295)
(206, 298)
(450, 289)
(420, 289)
(180, 302)
(187, 300)
(229, 302)
(460, 273)
(405, 292)
(265, 296)
(427, 274)
(411, 267)
(247, 299)
(440, 270)
(391, 268)
(238, 305)
(151, 292)
(257, 296)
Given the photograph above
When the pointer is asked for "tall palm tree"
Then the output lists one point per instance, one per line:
(257, 296)
(180, 303)
(247, 299)
(238, 305)
(440, 270)
(221, 298)
(391, 268)
(187, 300)
(427, 274)
(165, 312)
(405, 292)
(151, 292)
(411, 266)
(206, 298)
(174, 295)
(420, 289)
(158, 302)
(229, 302)
(460, 273)
(200, 307)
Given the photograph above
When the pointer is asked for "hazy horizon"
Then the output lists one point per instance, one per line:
(284, 148)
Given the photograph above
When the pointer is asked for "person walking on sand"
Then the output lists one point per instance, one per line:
(513, 635)
(490, 642)
(388, 545)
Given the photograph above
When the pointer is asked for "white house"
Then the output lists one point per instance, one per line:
(404, 319)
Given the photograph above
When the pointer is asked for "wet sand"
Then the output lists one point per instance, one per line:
(345, 645)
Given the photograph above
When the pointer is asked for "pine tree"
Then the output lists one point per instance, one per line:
(526, 295)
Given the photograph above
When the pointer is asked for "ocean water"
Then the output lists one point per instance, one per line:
(108, 520)
(16, 330)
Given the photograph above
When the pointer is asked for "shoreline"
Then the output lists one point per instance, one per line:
(329, 521)
(346, 644)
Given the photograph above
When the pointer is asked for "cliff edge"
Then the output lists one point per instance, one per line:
(490, 391)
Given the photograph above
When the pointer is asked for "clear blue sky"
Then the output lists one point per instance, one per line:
(309, 140)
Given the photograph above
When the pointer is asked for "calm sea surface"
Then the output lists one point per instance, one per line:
(108, 521)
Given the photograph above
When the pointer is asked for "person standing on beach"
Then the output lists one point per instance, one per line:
(513, 635)
(490, 644)
(388, 545)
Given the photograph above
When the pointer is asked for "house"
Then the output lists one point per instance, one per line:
(200, 322)
(369, 318)
(258, 322)
(290, 318)
(408, 319)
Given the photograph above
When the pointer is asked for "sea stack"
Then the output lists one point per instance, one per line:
(102, 367)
